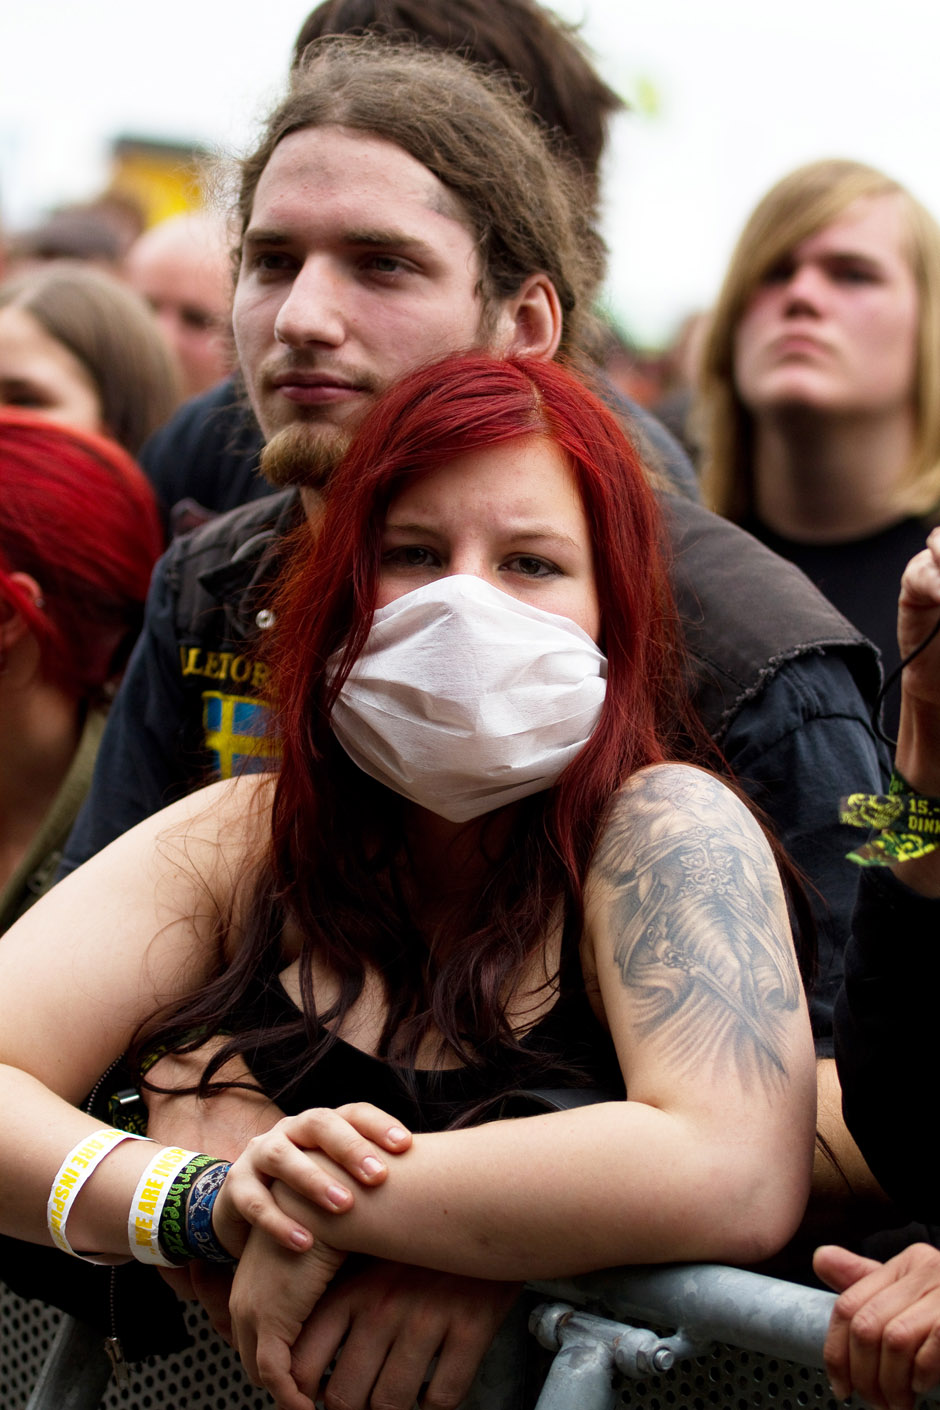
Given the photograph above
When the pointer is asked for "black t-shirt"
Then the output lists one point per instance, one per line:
(862, 579)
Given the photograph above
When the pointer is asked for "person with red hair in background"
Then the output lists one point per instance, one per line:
(79, 534)
(478, 869)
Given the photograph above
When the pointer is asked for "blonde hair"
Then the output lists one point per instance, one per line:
(797, 207)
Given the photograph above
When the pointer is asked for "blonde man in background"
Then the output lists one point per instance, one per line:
(820, 388)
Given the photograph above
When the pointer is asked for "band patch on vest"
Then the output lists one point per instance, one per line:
(235, 730)
(237, 667)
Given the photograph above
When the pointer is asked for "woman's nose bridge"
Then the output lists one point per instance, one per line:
(469, 558)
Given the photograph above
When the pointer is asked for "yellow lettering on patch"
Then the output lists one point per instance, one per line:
(191, 660)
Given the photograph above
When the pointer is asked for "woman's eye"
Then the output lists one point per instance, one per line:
(529, 566)
(409, 556)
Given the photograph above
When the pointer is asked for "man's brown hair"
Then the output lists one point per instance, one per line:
(540, 52)
(527, 210)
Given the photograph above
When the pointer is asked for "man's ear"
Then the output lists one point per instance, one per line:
(530, 322)
(13, 626)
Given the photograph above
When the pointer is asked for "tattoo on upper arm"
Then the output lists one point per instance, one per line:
(698, 924)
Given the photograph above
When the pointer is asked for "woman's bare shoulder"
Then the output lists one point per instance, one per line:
(231, 814)
(687, 928)
(188, 859)
(671, 797)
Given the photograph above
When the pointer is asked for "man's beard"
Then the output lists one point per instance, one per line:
(304, 454)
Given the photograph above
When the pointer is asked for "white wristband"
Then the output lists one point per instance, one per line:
(81, 1162)
(143, 1221)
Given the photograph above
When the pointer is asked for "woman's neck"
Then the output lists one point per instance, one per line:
(40, 727)
(449, 861)
(822, 479)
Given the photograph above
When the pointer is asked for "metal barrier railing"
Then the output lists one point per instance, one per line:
(595, 1325)
(708, 1305)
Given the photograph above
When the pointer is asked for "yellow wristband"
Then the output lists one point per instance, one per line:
(143, 1220)
(81, 1162)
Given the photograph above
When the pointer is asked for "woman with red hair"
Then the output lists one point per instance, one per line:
(79, 535)
(475, 874)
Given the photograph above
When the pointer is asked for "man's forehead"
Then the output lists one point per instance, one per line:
(341, 161)
(872, 225)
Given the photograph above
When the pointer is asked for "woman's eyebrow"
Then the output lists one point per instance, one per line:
(520, 532)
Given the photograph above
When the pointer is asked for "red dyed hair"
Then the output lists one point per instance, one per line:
(431, 417)
(326, 603)
(337, 865)
(79, 516)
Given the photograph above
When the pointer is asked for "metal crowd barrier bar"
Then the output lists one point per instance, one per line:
(684, 1336)
(710, 1307)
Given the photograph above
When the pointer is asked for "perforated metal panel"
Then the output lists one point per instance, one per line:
(207, 1376)
(731, 1379)
(26, 1333)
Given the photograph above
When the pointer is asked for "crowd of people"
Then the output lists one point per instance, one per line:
(480, 859)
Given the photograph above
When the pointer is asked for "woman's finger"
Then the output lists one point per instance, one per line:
(313, 1154)
(321, 1129)
(245, 1202)
(371, 1121)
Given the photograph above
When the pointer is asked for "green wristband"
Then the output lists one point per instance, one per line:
(172, 1230)
(906, 824)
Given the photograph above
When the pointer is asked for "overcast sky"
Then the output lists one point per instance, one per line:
(745, 90)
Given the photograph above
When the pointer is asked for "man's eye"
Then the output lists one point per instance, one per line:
(197, 320)
(271, 262)
(855, 274)
(385, 264)
(779, 273)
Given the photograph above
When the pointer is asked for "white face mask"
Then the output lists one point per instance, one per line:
(465, 698)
